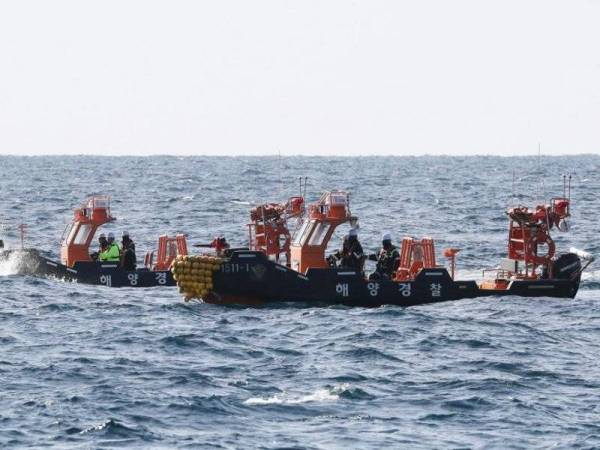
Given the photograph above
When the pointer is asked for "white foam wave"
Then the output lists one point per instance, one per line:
(319, 396)
(592, 275)
(11, 264)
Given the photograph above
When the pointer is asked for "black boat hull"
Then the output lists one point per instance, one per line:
(250, 278)
(31, 262)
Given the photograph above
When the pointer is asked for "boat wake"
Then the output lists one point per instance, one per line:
(593, 275)
(17, 262)
(10, 263)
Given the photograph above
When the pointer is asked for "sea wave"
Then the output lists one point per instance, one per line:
(328, 394)
(91, 367)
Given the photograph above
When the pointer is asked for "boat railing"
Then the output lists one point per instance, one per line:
(499, 274)
(98, 202)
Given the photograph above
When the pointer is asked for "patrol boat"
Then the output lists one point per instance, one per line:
(76, 262)
(252, 277)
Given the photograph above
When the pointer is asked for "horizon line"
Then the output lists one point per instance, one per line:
(295, 155)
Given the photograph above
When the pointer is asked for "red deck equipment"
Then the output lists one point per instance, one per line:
(529, 230)
(168, 249)
(414, 256)
(529, 240)
(268, 230)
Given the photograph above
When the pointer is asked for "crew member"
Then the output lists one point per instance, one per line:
(352, 255)
(220, 245)
(334, 259)
(128, 259)
(102, 246)
(112, 252)
(388, 259)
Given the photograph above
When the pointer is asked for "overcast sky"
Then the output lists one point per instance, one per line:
(304, 77)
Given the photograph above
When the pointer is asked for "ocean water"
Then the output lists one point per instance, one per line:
(93, 367)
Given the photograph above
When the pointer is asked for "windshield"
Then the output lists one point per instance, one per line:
(300, 233)
(72, 232)
(338, 199)
(67, 231)
(82, 234)
(319, 234)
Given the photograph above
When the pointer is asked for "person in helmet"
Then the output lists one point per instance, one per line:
(352, 255)
(112, 252)
(102, 247)
(388, 259)
(128, 258)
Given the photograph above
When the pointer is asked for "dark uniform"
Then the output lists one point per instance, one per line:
(128, 258)
(352, 253)
(388, 260)
(350, 256)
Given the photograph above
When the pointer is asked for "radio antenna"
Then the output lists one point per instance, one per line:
(514, 197)
(280, 181)
(541, 187)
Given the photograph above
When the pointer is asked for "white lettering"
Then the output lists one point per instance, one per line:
(343, 289)
(133, 279)
(106, 279)
(373, 289)
(404, 289)
(436, 289)
(161, 277)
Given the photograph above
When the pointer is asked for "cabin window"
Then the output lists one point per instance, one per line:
(67, 233)
(298, 238)
(319, 234)
(338, 199)
(72, 233)
(82, 235)
(307, 232)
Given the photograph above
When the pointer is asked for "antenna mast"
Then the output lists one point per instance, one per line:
(280, 181)
(541, 186)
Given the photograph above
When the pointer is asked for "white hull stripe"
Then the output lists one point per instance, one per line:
(51, 264)
(302, 276)
(246, 256)
(543, 286)
(346, 273)
(71, 270)
(434, 274)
